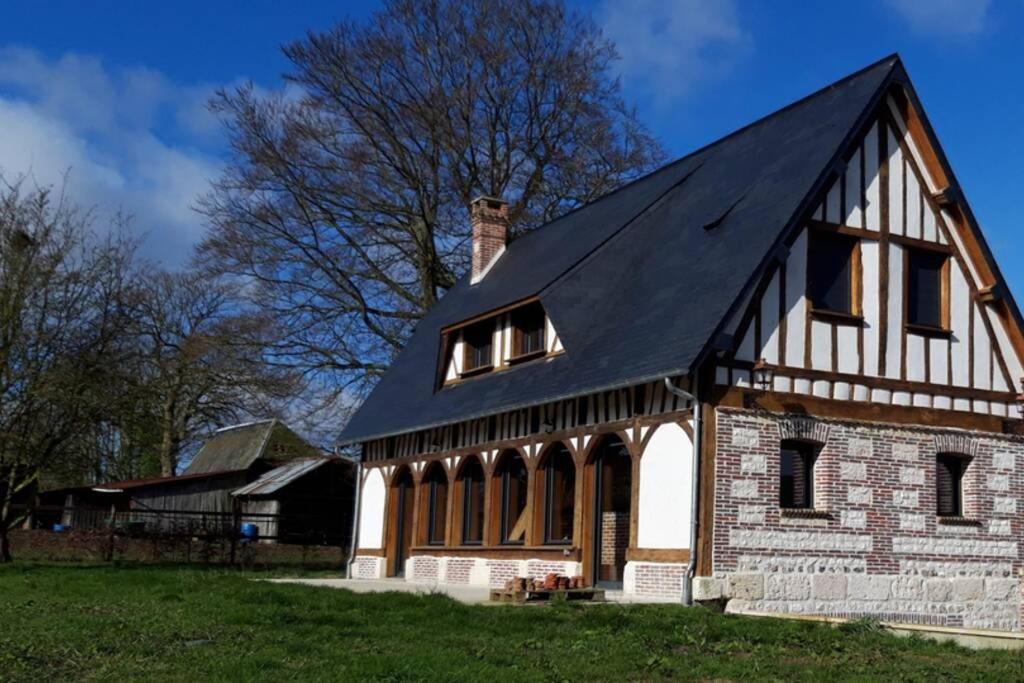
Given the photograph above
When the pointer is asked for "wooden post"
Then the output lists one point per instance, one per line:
(235, 527)
(110, 533)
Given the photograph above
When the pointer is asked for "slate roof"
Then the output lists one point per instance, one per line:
(633, 283)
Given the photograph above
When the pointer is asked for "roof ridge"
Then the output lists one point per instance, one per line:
(893, 56)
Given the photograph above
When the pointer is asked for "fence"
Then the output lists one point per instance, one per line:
(86, 533)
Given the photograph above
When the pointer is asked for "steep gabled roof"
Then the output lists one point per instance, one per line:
(634, 284)
(238, 447)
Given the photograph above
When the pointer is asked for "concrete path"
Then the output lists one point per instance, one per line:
(467, 594)
(471, 595)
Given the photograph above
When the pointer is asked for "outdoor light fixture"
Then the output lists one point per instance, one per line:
(548, 426)
(763, 375)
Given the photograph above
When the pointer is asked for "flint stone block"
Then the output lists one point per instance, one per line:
(707, 588)
(1000, 589)
(968, 589)
(938, 590)
(745, 586)
(828, 586)
(788, 587)
(869, 587)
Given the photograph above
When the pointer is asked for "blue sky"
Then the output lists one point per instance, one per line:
(115, 91)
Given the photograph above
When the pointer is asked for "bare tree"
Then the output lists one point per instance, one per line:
(60, 322)
(345, 208)
(200, 358)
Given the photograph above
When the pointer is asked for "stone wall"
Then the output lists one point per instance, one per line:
(874, 546)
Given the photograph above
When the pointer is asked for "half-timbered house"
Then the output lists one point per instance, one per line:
(781, 371)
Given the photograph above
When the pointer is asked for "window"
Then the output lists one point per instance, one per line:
(513, 499)
(829, 272)
(925, 288)
(949, 474)
(478, 340)
(437, 504)
(472, 479)
(528, 324)
(559, 496)
(796, 475)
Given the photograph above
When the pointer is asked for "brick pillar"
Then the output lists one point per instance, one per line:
(489, 218)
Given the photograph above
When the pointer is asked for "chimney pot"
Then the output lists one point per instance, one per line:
(489, 219)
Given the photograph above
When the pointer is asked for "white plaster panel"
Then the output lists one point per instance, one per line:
(905, 499)
(910, 522)
(1003, 461)
(770, 321)
(371, 510)
(999, 527)
(744, 437)
(751, 514)
(853, 519)
(915, 358)
(872, 191)
(894, 343)
(895, 184)
(905, 451)
(795, 304)
(848, 353)
(1004, 506)
(982, 353)
(913, 476)
(666, 471)
(998, 482)
(960, 312)
(821, 345)
(870, 305)
(854, 210)
(939, 361)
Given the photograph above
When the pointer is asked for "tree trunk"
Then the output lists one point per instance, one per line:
(5, 545)
(168, 447)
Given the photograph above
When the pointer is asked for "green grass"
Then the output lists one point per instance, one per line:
(168, 623)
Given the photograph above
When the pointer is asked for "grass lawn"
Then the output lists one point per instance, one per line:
(167, 623)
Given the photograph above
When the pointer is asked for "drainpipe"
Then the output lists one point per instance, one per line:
(695, 486)
(355, 519)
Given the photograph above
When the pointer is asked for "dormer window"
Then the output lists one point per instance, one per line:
(528, 325)
(478, 341)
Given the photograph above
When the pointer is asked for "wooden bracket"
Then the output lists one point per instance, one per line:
(946, 197)
(990, 294)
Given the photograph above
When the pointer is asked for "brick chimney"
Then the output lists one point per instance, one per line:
(489, 218)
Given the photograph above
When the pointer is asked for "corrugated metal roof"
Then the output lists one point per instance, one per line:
(119, 486)
(634, 284)
(278, 478)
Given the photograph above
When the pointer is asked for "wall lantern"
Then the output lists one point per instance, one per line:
(764, 375)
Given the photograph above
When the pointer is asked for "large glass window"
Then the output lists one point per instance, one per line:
(559, 496)
(437, 504)
(512, 472)
(796, 475)
(472, 482)
(924, 287)
(829, 273)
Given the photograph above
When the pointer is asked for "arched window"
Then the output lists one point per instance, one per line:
(471, 481)
(512, 477)
(559, 495)
(437, 503)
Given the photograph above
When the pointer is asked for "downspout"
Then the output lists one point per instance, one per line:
(355, 519)
(695, 485)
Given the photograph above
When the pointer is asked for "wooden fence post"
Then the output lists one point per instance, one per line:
(235, 527)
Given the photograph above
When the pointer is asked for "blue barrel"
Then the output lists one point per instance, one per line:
(250, 531)
(59, 528)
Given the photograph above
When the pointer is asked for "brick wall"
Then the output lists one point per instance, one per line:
(425, 568)
(368, 567)
(881, 550)
(655, 580)
(614, 541)
(458, 570)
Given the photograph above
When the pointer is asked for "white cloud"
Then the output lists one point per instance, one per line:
(944, 17)
(670, 46)
(130, 139)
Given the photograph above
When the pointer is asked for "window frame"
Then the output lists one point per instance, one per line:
(962, 462)
(433, 508)
(809, 452)
(471, 349)
(854, 308)
(519, 334)
(467, 491)
(505, 481)
(943, 290)
(549, 476)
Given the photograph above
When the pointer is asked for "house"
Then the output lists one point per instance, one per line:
(781, 371)
(262, 472)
